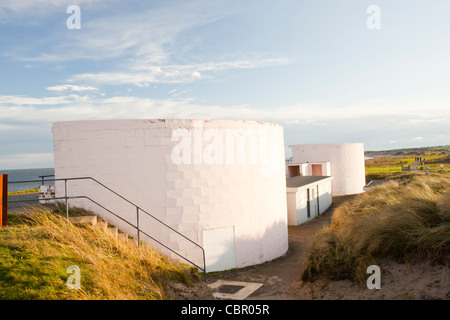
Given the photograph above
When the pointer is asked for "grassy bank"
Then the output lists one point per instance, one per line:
(36, 249)
(397, 221)
(390, 167)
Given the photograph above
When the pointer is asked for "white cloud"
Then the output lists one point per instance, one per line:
(144, 75)
(145, 41)
(70, 87)
(418, 138)
(406, 112)
(22, 101)
(147, 35)
(26, 160)
(83, 107)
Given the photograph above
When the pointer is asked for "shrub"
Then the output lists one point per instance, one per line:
(394, 220)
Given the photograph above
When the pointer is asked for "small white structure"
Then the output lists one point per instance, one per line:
(307, 198)
(308, 169)
(346, 164)
(46, 194)
(221, 183)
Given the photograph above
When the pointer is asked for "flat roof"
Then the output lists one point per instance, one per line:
(307, 162)
(300, 181)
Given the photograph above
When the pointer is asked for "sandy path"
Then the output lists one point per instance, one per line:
(281, 277)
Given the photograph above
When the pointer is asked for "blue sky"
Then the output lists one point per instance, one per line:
(313, 67)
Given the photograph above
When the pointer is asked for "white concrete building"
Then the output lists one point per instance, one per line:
(346, 164)
(307, 198)
(308, 169)
(221, 183)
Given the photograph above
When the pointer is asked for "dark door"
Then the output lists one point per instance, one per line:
(308, 204)
(318, 207)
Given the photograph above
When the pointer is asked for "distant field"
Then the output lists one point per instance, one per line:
(390, 167)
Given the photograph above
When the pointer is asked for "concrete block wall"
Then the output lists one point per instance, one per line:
(346, 160)
(247, 190)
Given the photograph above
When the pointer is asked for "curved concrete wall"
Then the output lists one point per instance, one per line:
(221, 183)
(347, 163)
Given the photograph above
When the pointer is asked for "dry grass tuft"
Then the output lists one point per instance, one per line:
(400, 221)
(37, 248)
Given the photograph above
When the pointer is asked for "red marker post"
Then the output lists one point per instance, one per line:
(3, 200)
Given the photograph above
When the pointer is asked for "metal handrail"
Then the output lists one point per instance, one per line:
(45, 176)
(138, 210)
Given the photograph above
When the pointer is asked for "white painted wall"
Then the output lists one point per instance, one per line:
(297, 201)
(221, 248)
(245, 191)
(347, 164)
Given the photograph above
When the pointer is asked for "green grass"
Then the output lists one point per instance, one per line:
(395, 220)
(390, 167)
(37, 248)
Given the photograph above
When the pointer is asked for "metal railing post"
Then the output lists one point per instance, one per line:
(204, 263)
(137, 227)
(67, 199)
(3, 200)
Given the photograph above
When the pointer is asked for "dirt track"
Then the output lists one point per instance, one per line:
(281, 277)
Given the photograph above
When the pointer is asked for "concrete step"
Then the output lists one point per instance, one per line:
(133, 242)
(113, 231)
(110, 230)
(102, 225)
(84, 220)
(123, 237)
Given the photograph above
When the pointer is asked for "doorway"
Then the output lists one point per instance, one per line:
(316, 169)
(220, 253)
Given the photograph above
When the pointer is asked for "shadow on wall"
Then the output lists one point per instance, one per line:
(308, 210)
(301, 210)
(225, 251)
(234, 251)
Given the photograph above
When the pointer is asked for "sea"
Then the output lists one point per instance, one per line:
(26, 175)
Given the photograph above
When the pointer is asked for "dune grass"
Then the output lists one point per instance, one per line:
(399, 221)
(37, 248)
